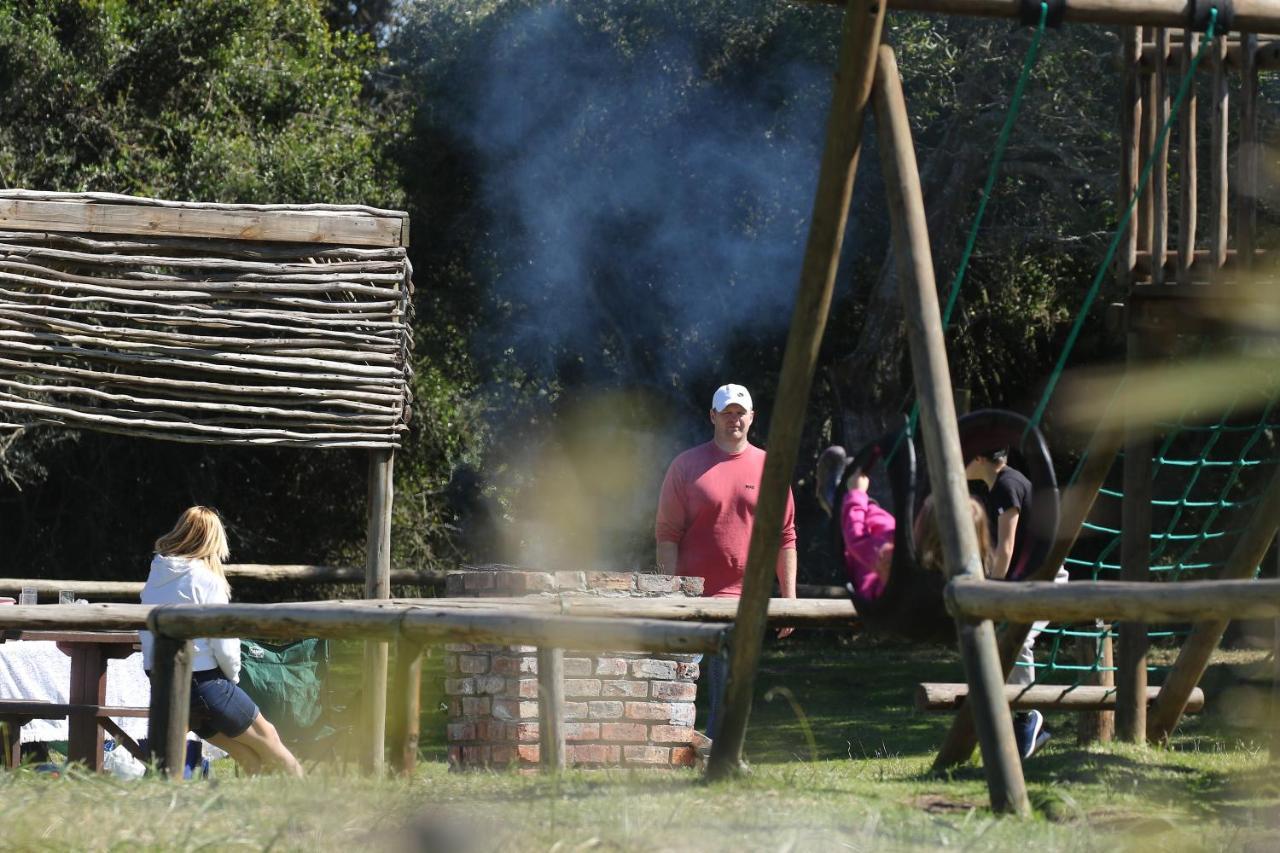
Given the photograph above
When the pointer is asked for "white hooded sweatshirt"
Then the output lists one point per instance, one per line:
(182, 580)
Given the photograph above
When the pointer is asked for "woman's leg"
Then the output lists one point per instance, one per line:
(244, 756)
(263, 739)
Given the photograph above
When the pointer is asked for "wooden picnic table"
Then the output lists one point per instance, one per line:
(86, 711)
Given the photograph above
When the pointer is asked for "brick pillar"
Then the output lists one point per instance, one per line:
(621, 708)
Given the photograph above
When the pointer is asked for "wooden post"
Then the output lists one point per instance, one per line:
(1160, 173)
(1130, 163)
(1189, 176)
(1193, 657)
(932, 374)
(863, 20)
(88, 679)
(1219, 209)
(408, 692)
(377, 585)
(1247, 162)
(170, 711)
(1145, 214)
(1077, 500)
(1099, 726)
(551, 751)
(1135, 559)
(1273, 699)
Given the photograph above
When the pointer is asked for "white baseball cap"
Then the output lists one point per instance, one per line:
(727, 395)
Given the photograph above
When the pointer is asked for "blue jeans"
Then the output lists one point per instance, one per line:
(717, 677)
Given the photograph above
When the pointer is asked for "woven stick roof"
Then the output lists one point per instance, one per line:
(215, 324)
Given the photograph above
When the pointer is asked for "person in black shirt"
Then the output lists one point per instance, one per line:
(1008, 501)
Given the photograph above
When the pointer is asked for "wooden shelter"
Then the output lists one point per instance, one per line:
(867, 76)
(283, 325)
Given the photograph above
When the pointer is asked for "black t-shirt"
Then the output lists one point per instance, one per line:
(1011, 491)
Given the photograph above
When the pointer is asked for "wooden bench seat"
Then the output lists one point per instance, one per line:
(1042, 697)
(15, 713)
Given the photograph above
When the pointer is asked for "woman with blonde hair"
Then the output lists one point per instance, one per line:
(187, 569)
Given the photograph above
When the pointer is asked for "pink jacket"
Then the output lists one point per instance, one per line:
(868, 534)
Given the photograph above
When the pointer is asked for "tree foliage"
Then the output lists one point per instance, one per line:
(211, 100)
(609, 199)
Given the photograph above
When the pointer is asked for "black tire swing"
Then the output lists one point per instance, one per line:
(911, 604)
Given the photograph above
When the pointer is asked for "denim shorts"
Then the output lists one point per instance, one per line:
(226, 708)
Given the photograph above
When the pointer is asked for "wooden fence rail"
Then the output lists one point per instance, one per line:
(238, 573)
(1185, 601)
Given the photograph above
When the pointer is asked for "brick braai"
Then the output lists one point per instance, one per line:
(631, 709)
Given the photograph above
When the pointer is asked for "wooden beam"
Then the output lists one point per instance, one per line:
(1130, 164)
(387, 621)
(793, 612)
(1247, 159)
(1238, 55)
(1147, 132)
(407, 691)
(1135, 561)
(1097, 726)
(1041, 697)
(1228, 599)
(932, 373)
(377, 585)
(1251, 16)
(170, 704)
(239, 575)
(551, 752)
(1202, 268)
(1219, 211)
(1159, 182)
(855, 70)
(249, 222)
(79, 617)
(1083, 601)
(1189, 174)
(253, 573)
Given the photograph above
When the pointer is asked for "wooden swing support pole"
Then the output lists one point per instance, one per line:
(863, 20)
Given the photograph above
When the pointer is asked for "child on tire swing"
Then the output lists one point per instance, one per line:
(867, 530)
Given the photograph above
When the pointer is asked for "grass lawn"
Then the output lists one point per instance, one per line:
(840, 763)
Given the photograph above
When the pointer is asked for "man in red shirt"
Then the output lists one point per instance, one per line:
(705, 514)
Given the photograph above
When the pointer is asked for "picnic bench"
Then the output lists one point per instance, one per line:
(87, 713)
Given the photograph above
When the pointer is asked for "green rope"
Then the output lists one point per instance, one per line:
(993, 171)
(1124, 222)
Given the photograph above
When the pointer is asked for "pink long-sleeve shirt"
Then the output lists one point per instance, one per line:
(707, 508)
(868, 540)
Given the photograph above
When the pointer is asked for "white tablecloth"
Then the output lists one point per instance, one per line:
(36, 670)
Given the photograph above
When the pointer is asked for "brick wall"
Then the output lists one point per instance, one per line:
(630, 709)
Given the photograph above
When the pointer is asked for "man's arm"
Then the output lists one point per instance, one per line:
(1006, 531)
(786, 581)
(668, 557)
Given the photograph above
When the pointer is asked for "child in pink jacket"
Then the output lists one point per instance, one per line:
(867, 530)
(868, 539)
